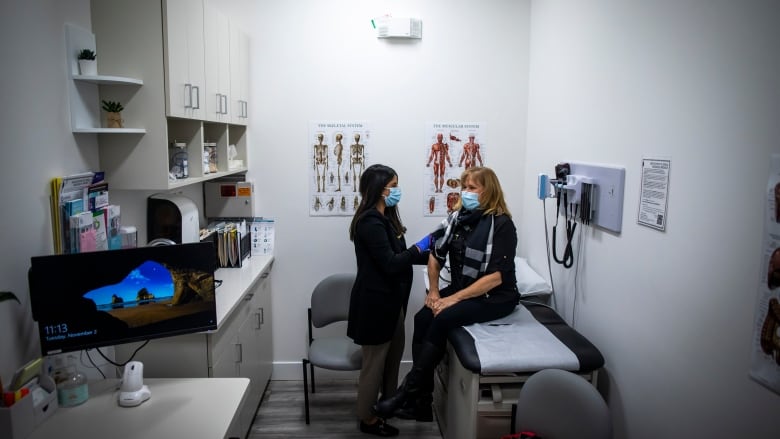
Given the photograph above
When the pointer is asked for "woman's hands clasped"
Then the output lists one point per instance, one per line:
(432, 298)
(437, 303)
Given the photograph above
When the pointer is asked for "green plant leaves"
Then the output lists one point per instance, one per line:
(7, 295)
(112, 106)
(87, 54)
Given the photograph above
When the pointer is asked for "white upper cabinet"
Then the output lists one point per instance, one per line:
(216, 31)
(161, 41)
(184, 57)
(239, 79)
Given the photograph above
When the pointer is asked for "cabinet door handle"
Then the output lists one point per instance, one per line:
(187, 95)
(246, 109)
(197, 96)
(260, 318)
(225, 106)
(239, 353)
(219, 104)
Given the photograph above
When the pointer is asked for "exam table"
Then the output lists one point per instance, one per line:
(486, 364)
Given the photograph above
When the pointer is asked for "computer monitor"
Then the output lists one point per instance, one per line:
(89, 300)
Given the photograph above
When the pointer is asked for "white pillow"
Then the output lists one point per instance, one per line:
(529, 282)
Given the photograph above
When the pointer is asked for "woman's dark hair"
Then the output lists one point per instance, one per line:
(372, 183)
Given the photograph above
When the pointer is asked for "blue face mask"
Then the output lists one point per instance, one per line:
(469, 200)
(393, 197)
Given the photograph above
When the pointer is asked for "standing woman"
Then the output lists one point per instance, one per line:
(380, 294)
(480, 239)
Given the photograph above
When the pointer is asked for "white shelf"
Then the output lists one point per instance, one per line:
(84, 90)
(192, 180)
(108, 80)
(110, 130)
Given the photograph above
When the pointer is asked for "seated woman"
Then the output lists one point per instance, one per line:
(480, 239)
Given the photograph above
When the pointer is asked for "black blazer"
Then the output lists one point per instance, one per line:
(383, 281)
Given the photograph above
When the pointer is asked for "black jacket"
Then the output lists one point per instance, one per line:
(384, 279)
(502, 258)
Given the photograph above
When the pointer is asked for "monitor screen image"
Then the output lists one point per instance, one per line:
(88, 300)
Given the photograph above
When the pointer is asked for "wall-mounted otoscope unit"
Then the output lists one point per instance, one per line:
(588, 194)
(594, 193)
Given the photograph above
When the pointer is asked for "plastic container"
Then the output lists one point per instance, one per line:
(129, 236)
(179, 160)
(72, 385)
(20, 419)
(209, 157)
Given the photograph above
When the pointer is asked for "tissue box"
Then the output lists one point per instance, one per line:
(19, 420)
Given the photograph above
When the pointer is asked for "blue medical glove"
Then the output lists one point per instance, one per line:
(425, 243)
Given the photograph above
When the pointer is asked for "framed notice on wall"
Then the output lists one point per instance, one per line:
(654, 193)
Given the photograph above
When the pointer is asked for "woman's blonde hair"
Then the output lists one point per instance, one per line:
(491, 200)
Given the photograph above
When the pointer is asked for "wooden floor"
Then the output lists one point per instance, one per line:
(331, 410)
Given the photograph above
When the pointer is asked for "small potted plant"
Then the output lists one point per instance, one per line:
(113, 116)
(87, 62)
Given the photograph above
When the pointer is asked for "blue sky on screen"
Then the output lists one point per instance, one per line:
(150, 275)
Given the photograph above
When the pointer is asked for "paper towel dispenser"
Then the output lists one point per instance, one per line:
(173, 217)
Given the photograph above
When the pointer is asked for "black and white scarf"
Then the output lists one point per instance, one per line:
(479, 244)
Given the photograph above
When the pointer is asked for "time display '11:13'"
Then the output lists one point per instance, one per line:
(58, 329)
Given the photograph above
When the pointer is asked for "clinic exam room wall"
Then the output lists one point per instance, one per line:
(697, 82)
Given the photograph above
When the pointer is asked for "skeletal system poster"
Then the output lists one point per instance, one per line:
(450, 148)
(338, 153)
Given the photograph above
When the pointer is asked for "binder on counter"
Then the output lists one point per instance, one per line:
(232, 241)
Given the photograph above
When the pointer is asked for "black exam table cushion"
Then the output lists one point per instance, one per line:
(588, 355)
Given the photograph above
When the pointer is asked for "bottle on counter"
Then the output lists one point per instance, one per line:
(72, 387)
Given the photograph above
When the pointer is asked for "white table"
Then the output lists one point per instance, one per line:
(186, 408)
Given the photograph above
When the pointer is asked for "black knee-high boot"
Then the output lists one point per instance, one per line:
(414, 383)
(419, 408)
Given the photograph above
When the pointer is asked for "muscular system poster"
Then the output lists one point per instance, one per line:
(765, 361)
(450, 148)
(338, 153)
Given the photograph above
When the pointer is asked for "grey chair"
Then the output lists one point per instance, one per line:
(556, 404)
(329, 304)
